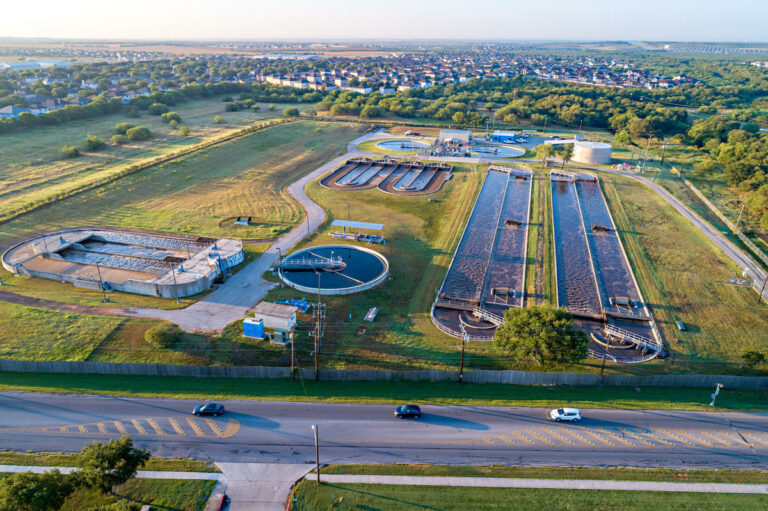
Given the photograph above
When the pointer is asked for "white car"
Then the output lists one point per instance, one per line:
(565, 414)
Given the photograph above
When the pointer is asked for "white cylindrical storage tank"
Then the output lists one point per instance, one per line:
(591, 152)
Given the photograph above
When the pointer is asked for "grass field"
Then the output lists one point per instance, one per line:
(36, 334)
(421, 238)
(310, 496)
(203, 192)
(611, 473)
(386, 392)
(683, 277)
(32, 167)
(161, 494)
(51, 459)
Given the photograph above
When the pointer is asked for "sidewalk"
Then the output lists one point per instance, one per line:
(557, 484)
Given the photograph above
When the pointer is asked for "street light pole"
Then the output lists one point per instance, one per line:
(718, 386)
(317, 451)
(461, 364)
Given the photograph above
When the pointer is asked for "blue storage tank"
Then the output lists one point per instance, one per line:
(253, 328)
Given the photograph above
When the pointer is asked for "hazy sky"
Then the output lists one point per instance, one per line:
(676, 20)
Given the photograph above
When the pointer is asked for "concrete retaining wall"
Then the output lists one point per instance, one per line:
(510, 377)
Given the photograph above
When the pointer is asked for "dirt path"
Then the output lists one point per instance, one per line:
(40, 303)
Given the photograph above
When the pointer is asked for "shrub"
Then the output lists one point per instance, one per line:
(184, 131)
(232, 107)
(133, 112)
(157, 109)
(173, 124)
(255, 108)
(118, 139)
(291, 111)
(162, 336)
(219, 120)
(138, 133)
(171, 116)
(121, 128)
(70, 151)
(271, 108)
(93, 143)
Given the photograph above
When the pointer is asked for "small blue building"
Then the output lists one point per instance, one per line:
(505, 137)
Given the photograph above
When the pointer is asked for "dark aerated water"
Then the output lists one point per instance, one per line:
(362, 267)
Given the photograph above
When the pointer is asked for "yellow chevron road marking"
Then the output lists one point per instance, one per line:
(158, 429)
(139, 427)
(176, 427)
(195, 427)
(616, 437)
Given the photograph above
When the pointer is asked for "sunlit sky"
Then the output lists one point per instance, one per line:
(649, 20)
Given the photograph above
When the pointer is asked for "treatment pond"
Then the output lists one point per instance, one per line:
(334, 269)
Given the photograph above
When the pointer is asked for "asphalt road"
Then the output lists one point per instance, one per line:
(281, 432)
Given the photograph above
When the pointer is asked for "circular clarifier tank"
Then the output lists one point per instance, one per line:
(402, 145)
(334, 269)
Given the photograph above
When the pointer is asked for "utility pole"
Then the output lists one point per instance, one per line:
(319, 317)
(293, 358)
(101, 284)
(461, 364)
(663, 152)
(738, 220)
(602, 369)
(760, 294)
(317, 451)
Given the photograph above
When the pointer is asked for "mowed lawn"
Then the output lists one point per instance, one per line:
(201, 193)
(310, 496)
(32, 168)
(684, 277)
(35, 334)
(421, 237)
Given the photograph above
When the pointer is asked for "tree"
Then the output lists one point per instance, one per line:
(291, 111)
(26, 491)
(255, 108)
(122, 127)
(544, 152)
(566, 153)
(138, 133)
(170, 116)
(157, 109)
(70, 151)
(459, 118)
(623, 137)
(93, 143)
(162, 336)
(104, 466)
(184, 131)
(541, 334)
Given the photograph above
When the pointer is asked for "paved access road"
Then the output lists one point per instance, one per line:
(281, 432)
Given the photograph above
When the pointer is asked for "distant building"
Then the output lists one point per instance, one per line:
(11, 112)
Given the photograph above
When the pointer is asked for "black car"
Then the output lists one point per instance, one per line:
(214, 409)
(408, 412)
